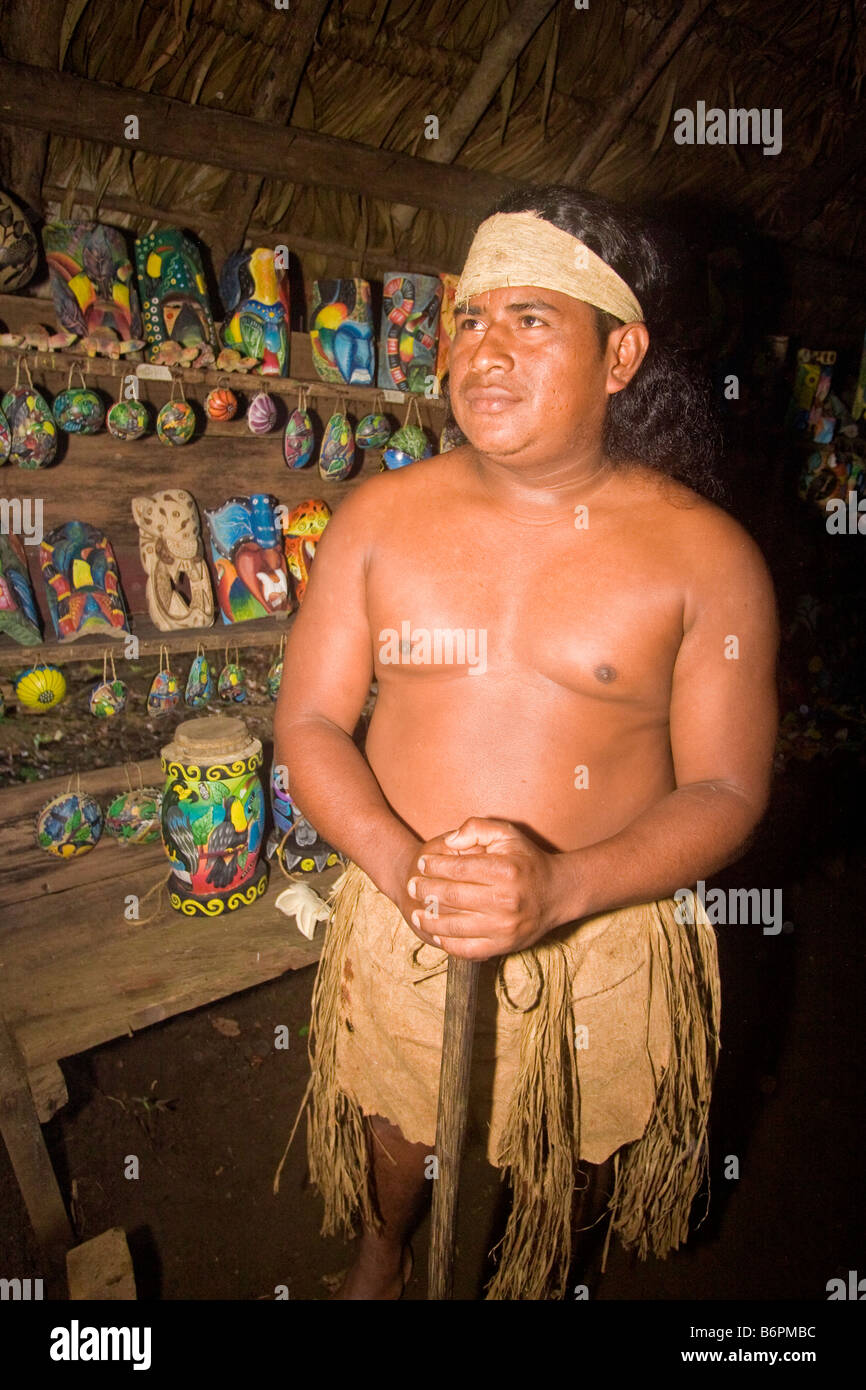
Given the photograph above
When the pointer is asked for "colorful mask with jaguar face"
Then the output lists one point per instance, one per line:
(255, 293)
(19, 615)
(169, 542)
(410, 323)
(82, 582)
(302, 531)
(341, 331)
(247, 559)
(92, 283)
(175, 305)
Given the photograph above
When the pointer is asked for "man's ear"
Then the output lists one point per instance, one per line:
(627, 348)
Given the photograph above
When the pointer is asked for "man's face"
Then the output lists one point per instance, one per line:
(528, 377)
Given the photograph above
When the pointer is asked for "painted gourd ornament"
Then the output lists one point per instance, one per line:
(298, 440)
(373, 432)
(133, 817)
(221, 404)
(175, 423)
(69, 825)
(34, 433)
(407, 445)
(5, 438)
(19, 252)
(164, 693)
(200, 682)
(337, 456)
(262, 413)
(40, 687)
(232, 684)
(128, 420)
(108, 698)
(274, 676)
(213, 816)
(79, 411)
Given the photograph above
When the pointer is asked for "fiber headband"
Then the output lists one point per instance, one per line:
(521, 248)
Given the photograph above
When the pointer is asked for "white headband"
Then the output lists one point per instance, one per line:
(522, 248)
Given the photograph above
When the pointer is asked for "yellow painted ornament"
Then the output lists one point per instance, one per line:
(40, 687)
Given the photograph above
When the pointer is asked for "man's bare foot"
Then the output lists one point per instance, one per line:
(380, 1273)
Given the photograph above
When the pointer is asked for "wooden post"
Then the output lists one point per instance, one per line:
(460, 998)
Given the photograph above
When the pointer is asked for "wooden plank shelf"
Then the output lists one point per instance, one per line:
(257, 633)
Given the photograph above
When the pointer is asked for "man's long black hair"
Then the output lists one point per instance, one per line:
(665, 417)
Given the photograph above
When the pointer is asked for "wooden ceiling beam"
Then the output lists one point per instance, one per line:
(64, 104)
(665, 46)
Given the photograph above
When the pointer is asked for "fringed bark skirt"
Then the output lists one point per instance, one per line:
(603, 1035)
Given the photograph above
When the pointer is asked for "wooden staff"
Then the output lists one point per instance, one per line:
(460, 996)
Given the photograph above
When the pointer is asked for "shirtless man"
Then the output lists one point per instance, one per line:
(608, 594)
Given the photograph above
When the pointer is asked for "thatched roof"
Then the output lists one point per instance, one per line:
(529, 90)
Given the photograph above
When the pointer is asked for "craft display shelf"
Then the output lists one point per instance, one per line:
(95, 477)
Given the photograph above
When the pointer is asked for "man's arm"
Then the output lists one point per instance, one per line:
(326, 677)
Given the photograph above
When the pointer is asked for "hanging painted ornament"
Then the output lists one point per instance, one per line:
(213, 816)
(19, 615)
(200, 687)
(164, 693)
(298, 440)
(302, 531)
(221, 404)
(410, 324)
(5, 438)
(69, 825)
(337, 455)
(232, 683)
(255, 292)
(78, 410)
(128, 420)
(175, 423)
(134, 817)
(275, 672)
(40, 687)
(28, 414)
(451, 437)
(19, 250)
(341, 332)
(409, 443)
(108, 697)
(82, 582)
(262, 413)
(374, 431)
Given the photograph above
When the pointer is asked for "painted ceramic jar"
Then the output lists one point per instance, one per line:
(213, 816)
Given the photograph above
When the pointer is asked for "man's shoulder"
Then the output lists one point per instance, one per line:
(681, 516)
(386, 495)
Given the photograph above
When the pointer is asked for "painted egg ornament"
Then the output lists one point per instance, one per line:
(373, 432)
(175, 423)
(19, 252)
(34, 433)
(134, 817)
(164, 693)
(69, 825)
(337, 456)
(5, 438)
(200, 688)
(407, 445)
(262, 413)
(298, 440)
(40, 687)
(274, 676)
(128, 420)
(108, 698)
(232, 684)
(221, 404)
(79, 411)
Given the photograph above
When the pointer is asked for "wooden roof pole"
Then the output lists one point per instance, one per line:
(659, 55)
(273, 102)
(30, 31)
(64, 104)
(499, 56)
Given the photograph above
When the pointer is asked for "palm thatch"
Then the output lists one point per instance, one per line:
(373, 71)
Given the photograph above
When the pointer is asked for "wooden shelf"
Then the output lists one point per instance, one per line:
(258, 632)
